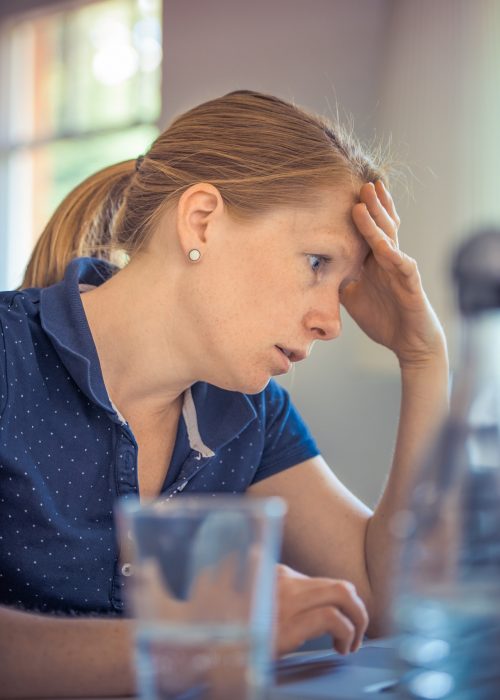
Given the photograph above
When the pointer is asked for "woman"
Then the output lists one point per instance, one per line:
(246, 225)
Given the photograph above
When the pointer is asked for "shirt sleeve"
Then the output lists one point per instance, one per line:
(287, 440)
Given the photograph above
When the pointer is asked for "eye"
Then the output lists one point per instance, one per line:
(317, 262)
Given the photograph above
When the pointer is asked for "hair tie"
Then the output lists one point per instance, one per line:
(138, 162)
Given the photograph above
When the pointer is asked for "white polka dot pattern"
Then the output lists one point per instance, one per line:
(66, 455)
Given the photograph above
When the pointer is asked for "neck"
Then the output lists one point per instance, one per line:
(139, 340)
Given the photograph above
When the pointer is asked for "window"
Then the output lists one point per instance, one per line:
(82, 89)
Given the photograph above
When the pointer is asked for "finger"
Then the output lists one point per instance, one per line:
(346, 599)
(285, 572)
(378, 212)
(387, 201)
(320, 592)
(383, 247)
(309, 624)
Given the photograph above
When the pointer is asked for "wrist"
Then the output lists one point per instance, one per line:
(427, 380)
(431, 359)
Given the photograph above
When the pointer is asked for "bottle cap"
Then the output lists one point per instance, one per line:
(476, 272)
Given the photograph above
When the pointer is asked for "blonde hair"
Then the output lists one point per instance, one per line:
(259, 151)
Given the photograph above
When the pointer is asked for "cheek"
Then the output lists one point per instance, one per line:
(246, 304)
(225, 311)
(239, 295)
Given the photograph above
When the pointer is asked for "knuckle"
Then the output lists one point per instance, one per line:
(283, 571)
(347, 588)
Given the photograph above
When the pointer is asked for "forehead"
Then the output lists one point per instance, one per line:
(327, 221)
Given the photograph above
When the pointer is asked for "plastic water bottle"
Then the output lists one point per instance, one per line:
(446, 607)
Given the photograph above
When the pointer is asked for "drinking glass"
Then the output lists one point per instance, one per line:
(201, 588)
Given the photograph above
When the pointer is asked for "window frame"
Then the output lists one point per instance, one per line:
(12, 251)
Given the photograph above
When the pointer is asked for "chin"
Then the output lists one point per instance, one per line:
(254, 388)
(245, 385)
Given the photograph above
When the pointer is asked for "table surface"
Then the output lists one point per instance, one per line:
(366, 675)
(326, 674)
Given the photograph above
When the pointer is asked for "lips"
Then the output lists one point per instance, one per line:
(292, 355)
(285, 359)
(284, 351)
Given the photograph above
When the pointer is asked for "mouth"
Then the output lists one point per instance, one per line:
(292, 355)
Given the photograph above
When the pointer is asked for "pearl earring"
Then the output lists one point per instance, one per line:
(194, 255)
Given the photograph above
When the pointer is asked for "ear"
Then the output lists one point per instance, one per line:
(199, 208)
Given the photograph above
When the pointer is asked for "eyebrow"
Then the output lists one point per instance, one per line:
(341, 250)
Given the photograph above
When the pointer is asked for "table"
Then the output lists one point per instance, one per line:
(366, 675)
(326, 674)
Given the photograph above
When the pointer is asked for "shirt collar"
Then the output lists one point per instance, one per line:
(64, 320)
(213, 416)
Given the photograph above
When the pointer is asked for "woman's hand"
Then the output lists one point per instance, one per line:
(310, 607)
(389, 303)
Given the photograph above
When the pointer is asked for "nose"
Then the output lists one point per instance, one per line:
(324, 323)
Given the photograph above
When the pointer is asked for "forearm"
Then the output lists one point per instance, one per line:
(47, 656)
(424, 401)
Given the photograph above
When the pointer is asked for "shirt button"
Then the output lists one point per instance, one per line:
(127, 569)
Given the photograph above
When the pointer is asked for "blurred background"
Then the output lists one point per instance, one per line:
(85, 84)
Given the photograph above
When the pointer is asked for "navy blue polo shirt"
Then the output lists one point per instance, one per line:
(66, 454)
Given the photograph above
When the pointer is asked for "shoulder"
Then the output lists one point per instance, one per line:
(18, 306)
(19, 314)
(18, 318)
(18, 310)
(287, 439)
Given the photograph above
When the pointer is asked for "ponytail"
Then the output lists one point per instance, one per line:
(81, 225)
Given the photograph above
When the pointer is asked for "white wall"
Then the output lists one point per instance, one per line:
(310, 51)
(440, 100)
